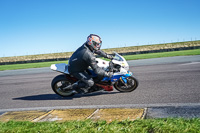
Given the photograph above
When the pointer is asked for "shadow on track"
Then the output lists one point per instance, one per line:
(57, 97)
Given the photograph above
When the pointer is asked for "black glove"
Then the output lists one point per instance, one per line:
(109, 74)
(109, 56)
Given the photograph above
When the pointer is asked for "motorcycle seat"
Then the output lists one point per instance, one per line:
(62, 67)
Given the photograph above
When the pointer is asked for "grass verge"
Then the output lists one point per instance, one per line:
(127, 57)
(163, 54)
(109, 50)
(166, 125)
(29, 65)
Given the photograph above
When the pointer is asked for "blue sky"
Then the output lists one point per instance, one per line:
(30, 27)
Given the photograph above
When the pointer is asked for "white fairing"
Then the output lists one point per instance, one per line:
(62, 67)
(118, 59)
(102, 63)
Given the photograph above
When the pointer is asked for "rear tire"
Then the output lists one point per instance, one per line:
(131, 85)
(58, 83)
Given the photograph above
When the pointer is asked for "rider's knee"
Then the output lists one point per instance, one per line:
(90, 83)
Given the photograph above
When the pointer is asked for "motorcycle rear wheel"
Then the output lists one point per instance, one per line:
(58, 83)
(131, 85)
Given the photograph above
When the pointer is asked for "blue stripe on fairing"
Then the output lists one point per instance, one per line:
(117, 77)
(114, 77)
(92, 72)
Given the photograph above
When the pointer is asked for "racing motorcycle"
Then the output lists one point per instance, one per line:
(122, 79)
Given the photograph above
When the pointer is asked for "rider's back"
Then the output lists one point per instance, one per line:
(80, 59)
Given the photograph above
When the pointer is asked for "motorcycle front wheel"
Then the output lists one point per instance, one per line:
(131, 85)
(59, 83)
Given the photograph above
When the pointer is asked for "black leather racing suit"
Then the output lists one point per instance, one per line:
(79, 62)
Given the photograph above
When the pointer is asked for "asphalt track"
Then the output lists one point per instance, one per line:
(171, 81)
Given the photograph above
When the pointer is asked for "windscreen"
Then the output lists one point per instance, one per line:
(117, 57)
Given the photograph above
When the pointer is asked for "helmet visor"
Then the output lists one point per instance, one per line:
(97, 45)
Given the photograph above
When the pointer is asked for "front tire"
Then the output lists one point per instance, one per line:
(131, 85)
(58, 83)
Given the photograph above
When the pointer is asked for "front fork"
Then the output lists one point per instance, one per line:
(123, 78)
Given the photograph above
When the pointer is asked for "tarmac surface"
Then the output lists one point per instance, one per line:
(173, 111)
(169, 87)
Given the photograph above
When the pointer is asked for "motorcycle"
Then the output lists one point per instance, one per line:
(122, 79)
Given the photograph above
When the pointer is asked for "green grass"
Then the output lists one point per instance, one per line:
(163, 54)
(127, 57)
(29, 65)
(166, 125)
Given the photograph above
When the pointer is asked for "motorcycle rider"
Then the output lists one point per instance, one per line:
(84, 57)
